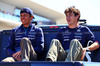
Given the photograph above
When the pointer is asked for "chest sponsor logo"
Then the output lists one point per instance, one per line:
(30, 38)
(78, 34)
(20, 33)
(78, 30)
(18, 38)
(66, 39)
(66, 33)
(66, 36)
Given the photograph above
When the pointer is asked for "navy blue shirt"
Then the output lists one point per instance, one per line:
(82, 33)
(33, 33)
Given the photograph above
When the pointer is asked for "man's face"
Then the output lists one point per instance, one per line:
(25, 19)
(71, 18)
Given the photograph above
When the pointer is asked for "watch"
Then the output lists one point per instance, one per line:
(87, 50)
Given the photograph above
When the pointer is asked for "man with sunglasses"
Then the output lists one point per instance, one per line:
(26, 42)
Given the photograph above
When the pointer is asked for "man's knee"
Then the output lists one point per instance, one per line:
(8, 59)
(75, 43)
(55, 41)
(24, 39)
(74, 40)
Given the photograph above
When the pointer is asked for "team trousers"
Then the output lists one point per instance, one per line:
(57, 53)
(27, 51)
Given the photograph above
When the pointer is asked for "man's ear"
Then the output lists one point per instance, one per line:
(31, 17)
(77, 16)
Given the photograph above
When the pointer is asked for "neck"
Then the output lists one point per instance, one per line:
(26, 25)
(74, 26)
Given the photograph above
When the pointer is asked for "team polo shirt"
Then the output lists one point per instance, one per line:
(81, 33)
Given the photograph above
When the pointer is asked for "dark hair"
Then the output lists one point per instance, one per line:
(25, 11)
(73, 10)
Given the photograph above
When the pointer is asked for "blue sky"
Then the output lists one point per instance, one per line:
(90, 9)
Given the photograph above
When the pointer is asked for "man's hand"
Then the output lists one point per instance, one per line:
(17, 55)
(84, 51)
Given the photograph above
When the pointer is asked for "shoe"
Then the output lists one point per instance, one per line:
(48, 59)
(24, 60)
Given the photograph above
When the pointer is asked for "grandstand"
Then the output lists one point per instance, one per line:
(10, 17)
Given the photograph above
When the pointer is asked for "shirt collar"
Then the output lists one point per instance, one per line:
(73, 28)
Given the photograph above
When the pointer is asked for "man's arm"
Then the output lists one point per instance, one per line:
(17, 55)
(10, 46)
(39, 41)
(92, 47)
